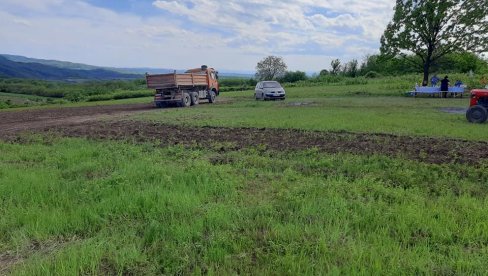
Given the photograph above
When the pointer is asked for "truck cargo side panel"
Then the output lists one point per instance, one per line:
(161, 81)
(191, 80)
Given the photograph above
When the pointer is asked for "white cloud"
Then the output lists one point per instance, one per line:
(228, 34)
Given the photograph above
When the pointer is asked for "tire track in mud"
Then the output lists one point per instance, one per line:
(430, 150)
(89, 122)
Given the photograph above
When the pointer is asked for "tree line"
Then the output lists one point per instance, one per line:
(424, 36)
(374, 66)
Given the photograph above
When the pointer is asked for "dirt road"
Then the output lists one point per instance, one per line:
(34, 119)
(87, 122)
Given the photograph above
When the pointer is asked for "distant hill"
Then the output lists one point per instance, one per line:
(33, 68)
(55, 63)
(81, 66)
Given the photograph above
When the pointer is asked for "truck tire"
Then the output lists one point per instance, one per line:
(211, 96)
(195, 99)
(477, 114)
(185, 100)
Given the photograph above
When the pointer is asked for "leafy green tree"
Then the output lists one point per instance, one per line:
(323, 72)
(431, 29)
(336, 67)
(270, 68)
(461, 63)
(351, 68)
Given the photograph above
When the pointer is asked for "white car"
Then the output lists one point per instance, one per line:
(269, 90)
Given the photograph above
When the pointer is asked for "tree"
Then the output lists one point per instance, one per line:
(430, 29)
(291, 76)
(336, 67)
(270, 68)
(323, 72)
(351, 68)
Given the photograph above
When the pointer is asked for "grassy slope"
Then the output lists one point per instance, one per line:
(333, 109)
(20, 100)
(76, 207)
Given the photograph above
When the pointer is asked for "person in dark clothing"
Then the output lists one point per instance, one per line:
(445, 86)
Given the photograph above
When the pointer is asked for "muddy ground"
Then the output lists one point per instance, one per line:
(33, 119)
(110, 122)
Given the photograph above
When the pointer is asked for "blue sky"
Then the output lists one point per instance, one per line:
(230, 35)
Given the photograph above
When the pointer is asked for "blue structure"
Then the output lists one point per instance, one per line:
(434, 80)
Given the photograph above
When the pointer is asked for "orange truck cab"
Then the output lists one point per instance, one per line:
(212, 77)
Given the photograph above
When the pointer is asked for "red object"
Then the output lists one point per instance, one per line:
(476, 95)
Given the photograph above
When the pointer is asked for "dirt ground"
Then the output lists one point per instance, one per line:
(34, 119)
(110, 122)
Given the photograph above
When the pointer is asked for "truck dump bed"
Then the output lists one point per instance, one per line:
(161, 81)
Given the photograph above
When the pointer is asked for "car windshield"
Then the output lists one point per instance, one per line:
(271, 84)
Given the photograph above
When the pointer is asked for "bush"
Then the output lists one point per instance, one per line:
(74, 97)
(4, 105)
(372, 75)
(294, 77)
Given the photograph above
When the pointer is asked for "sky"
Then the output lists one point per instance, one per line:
(232, 35)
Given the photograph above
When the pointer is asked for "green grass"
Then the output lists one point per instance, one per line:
(147, 100)
(70, 206)
(9, 100)
(334, 108)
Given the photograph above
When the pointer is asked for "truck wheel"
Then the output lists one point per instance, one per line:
(211, 96)
(195, 99)
(477, 114)
(186, 100)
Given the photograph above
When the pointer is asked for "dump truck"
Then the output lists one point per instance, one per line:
(184, 89)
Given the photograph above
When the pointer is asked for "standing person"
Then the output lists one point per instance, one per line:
(434, 80)
(445, 86)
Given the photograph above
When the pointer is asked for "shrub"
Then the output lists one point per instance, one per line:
(372, 75)
(294, 76)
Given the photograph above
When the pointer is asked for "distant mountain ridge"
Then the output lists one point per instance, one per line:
(32, 68)
(55, 63)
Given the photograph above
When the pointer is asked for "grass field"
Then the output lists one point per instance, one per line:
(75, 206)
(9, 100)
(325, 109)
